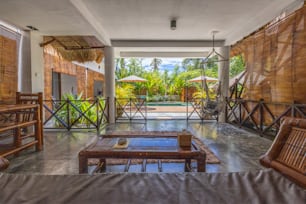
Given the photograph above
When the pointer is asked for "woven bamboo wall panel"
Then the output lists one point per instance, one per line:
(8, 70)
(98, 76)
(81, 80)
(275, 58)
(90, 84)
(57, 64)
(47, 77)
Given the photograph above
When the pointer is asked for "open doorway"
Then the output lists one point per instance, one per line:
(63, 84)
(165, 83)
(98, 88)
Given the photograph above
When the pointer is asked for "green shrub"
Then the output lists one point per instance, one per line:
(74, 102)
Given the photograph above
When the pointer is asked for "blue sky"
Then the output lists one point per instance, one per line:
(167, 63)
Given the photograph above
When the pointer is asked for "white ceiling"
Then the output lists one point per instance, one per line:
(118, 22)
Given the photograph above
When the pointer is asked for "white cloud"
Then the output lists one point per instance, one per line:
(167, 63)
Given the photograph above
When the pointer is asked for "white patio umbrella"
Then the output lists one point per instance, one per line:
(202, 78)
(132, 78)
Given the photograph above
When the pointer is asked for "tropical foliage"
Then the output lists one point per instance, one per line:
(124, 91)
(237, 65)
(164, 82)
(71, 108)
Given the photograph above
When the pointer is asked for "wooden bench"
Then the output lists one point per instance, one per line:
(288, 151)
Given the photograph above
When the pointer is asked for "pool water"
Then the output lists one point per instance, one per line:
(171, 103)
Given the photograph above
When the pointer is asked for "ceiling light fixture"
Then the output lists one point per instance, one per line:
(31, 27)
(173, 24)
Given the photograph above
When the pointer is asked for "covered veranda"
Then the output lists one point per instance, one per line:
(181, 41)
(237, 149)
(133, 29)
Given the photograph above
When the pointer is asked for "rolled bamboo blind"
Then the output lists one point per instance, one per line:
(275, 58)
(8, 69)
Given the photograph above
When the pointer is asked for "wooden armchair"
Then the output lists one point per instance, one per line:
(288, 151)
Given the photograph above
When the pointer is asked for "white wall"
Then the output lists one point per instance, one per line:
(92, 66)
(37, 62)
(24, 75)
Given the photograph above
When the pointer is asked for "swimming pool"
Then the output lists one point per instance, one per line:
(164, 103)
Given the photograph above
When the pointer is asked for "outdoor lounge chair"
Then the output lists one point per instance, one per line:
(288, 151)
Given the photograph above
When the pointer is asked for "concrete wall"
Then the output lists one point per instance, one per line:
(24, 76)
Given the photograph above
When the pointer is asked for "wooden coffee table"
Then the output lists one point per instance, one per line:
(146, 146)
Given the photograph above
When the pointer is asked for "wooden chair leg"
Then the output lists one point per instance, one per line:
(4, 163)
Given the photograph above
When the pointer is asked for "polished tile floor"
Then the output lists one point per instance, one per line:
(237, 149)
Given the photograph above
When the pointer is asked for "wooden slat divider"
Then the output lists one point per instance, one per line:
(293, 151)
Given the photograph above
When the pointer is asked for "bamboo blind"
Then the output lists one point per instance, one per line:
(8, 69)
(275, 58)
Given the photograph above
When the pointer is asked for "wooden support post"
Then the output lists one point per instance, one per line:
(201, 162)
(83, 163)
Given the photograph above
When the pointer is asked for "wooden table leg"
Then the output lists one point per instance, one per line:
(187, 165)
(103, 164)
(201, 160)
(83, 163)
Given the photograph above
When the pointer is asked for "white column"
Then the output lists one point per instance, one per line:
(224, 80)
(37, 62)
(110, 81)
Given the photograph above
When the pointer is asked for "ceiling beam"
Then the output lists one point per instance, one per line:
(164, 54)
(47, 43)
(92, 20)
(166, 43)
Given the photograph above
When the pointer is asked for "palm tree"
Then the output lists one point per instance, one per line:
(155, 63)
(191, 63)
(121, 70)
(135, 66)
(166, 81)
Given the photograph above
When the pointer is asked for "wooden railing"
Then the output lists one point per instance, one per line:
(75, 114)
(260, 116)
(202, 109)
(131, 108)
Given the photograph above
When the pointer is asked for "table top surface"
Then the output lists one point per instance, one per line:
(139, 144)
